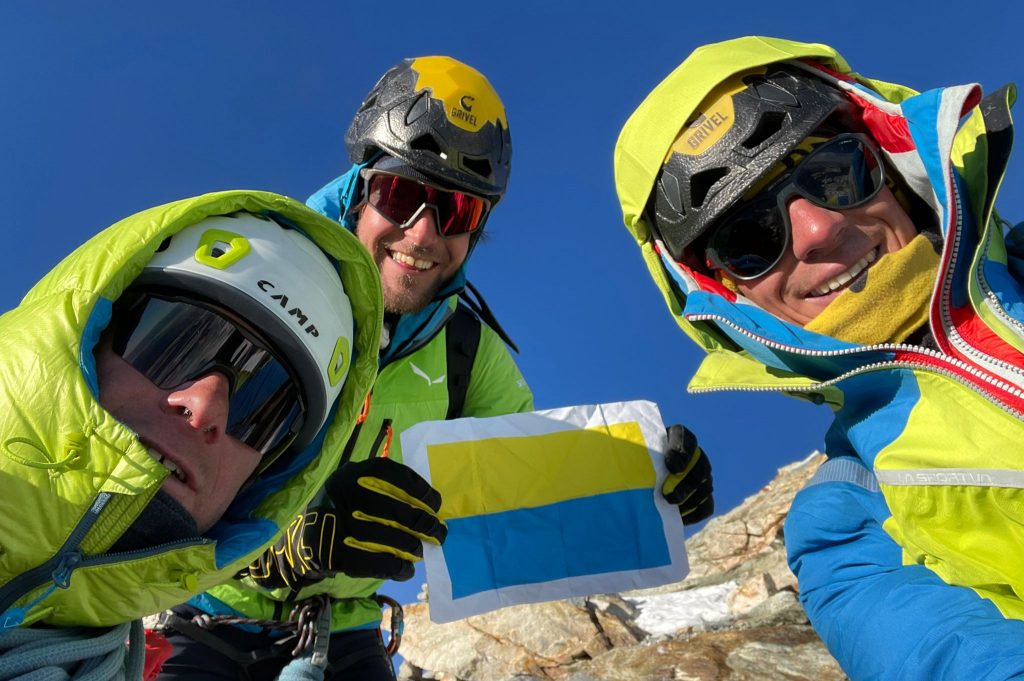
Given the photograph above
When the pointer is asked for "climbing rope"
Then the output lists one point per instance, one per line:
(73, 654)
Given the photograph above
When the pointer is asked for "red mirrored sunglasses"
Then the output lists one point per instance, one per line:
(402, 201)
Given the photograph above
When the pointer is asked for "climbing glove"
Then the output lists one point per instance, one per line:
(689, 485)
(382, 512)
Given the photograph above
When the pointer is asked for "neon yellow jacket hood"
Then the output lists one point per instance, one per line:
(644, 143)
(74, 478)
(923, 471)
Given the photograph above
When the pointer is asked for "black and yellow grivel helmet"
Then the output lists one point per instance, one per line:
(442, 118)
(743, 128)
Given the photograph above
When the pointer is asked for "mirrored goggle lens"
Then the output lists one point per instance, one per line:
(400, 199)
(845, 172)
(172, 342)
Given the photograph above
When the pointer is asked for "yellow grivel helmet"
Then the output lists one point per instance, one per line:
(442, 118)
(743, 128)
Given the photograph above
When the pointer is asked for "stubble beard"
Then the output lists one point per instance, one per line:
(404, 299)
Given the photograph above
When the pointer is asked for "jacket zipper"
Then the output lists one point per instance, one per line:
(983, 360)
(994, 305)
(58, 569)
(953, 362)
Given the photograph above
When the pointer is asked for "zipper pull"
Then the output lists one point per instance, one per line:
(62, 574)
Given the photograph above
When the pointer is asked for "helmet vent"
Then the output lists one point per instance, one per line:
(702, 182)
(769, 124)
(164, 245)
(418, 108)
(478, 166)
(671, 193)
(426, 143)
(371, 100)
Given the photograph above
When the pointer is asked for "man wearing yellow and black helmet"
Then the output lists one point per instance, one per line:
(833, 237)
(431, 154)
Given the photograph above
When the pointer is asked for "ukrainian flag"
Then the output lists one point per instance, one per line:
(548, 505)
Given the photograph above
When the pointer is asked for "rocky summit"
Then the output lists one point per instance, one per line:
(735, 617)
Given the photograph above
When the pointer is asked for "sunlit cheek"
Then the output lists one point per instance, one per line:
(457, 250)
(122, 388)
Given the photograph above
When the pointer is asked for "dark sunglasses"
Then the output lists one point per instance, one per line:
(401, 201)
(751, 238)
(171, 342)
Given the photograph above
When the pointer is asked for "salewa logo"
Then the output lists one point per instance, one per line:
(300, 317)
(422, 374)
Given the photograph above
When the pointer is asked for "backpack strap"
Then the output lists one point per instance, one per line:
(462, 340)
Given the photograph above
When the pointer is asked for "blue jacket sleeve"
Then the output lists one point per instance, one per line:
(882, 619)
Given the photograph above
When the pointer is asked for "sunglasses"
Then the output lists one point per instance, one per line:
(751, 238)
(171, 342)
(401, 201)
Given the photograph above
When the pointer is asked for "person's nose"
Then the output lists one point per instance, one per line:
(203, 403)
(815, 230)
(424, 230)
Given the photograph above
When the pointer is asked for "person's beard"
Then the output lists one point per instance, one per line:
(404, 299)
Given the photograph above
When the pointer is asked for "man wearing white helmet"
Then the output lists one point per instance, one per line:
(166, 392)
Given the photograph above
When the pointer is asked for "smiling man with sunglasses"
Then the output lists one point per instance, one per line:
(832, 237)
(431, 156)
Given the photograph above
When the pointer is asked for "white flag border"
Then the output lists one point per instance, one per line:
(444, 608)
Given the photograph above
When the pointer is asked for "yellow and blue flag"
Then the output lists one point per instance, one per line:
(547, 505)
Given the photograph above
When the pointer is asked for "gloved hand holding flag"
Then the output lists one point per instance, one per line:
(383, 512)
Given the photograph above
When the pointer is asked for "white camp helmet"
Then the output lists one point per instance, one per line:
(279, 282)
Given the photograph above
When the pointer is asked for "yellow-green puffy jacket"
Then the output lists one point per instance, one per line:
(907, 545)
(73, 479)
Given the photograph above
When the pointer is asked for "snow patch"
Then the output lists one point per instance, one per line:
(699, 608)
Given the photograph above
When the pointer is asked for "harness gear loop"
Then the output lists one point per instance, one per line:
(309, 623)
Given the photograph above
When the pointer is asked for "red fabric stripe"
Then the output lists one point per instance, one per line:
(974, 330)
(982, 386)
(704, 282)
(890, 131)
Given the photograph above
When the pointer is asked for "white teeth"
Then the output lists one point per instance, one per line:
(845, 277)
(172, 467)
(411, 261)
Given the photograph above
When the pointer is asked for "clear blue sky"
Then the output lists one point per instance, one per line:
(108, 108)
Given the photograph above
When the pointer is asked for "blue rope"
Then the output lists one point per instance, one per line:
(73, 654)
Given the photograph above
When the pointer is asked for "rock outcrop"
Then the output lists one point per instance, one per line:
(735, 617)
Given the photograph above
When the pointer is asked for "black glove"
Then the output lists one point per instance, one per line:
(383, 511)
(689, 485)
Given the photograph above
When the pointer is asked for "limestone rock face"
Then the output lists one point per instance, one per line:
(736, 617)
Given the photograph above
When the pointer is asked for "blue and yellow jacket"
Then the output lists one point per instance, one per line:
(907, 543)
(412, 387)
(73, 478)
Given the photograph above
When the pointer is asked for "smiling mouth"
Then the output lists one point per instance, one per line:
(409, 261)
(844, 278)
(162, 459)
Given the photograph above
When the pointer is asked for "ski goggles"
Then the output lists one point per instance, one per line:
(402, 200)
(751, 238)
(172, 341)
